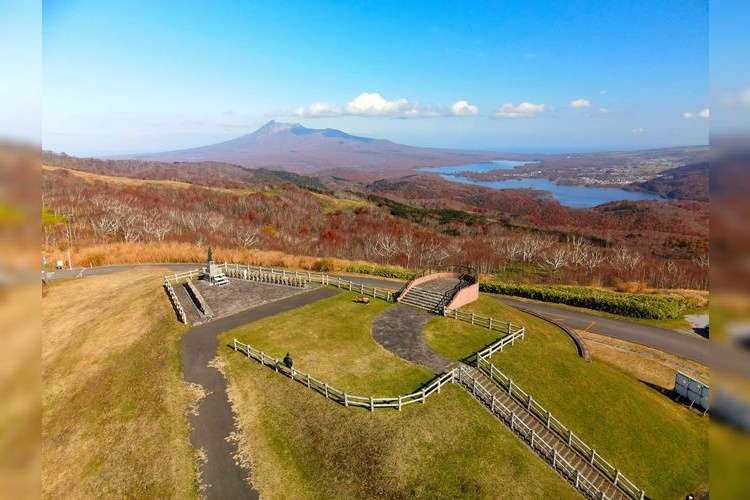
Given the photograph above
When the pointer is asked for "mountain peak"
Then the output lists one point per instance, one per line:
(274, 127)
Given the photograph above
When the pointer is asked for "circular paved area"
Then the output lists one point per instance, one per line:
(399, 329)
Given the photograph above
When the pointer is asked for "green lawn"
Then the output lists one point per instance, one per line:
(304, 446)
(658, 444)
(330, 339)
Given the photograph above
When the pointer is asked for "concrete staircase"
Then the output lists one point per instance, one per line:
(423, 298)
(220, 279)
(554, 450)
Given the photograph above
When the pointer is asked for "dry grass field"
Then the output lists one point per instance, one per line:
(114, 405)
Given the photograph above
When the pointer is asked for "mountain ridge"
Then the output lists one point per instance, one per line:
(292, 146)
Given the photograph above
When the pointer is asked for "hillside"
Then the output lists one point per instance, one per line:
(413, 221)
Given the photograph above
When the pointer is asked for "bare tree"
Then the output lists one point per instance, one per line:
(624, 259)
(382, 244)
(578, 250)
(532, 245)
(554, 259)
(103, 226)
(247, 236)
(408, 245)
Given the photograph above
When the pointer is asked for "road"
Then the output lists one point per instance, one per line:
(686, 345)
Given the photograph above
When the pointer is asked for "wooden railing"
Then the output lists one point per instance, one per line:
(553, 424)
(310, 277)
(538, 444)
(484, 321)
(185, 275)
(339, 396)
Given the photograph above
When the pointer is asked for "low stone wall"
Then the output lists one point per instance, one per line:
(464, 296)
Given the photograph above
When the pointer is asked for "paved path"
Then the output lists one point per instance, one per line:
(214, 422)
(686, 345)
(399, 329)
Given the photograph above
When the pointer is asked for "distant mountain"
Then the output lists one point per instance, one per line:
(292, 146)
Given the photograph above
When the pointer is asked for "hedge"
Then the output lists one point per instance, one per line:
(382, 271)
(634, 305)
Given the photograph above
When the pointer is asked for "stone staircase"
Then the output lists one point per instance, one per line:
(423, 298)
(553, 449)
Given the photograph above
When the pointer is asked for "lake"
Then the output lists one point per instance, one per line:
(570, 196)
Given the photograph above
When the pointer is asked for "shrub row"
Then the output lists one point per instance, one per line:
(382, 271)
(633, 305)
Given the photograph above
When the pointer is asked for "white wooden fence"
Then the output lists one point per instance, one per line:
(543, 415)
(538, 444)
(339, 396)
(484, 321)
(175, 302)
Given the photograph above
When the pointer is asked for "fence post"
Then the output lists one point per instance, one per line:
(474, 386)
(308, 381)
(350, 286)
(439, 384)
(399, 403)
(492, 407)
(276, 365)
(490, 327)
(346, 401)
(472, 318)
(422, 396)
(372, 405)
(528, 404)
(308, 275)
(549, 418)
(554, 458)
(455, 314)
(617, 476)
(510, 386)
(577, 478)
(339, 278)
(570, 437)
(262, 357)
(642, 495)
(326, 386)
(291, 373)
(512, 419)
(533, 435)
(593, 456)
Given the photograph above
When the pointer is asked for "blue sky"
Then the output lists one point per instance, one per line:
(135, 76)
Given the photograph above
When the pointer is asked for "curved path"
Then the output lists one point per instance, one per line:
(687, 345)
(213, 422)
(399, 330)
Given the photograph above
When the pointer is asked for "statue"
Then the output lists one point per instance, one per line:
(210, 256)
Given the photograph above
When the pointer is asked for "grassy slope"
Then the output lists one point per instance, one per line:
(657, 443)
(304, 446)
(113, 401)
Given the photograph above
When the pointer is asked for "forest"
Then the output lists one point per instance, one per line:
(414, 222)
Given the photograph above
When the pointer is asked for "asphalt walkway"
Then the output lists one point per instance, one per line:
(399, 329)
(213, 423)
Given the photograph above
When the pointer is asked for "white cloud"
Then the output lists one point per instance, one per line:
(319, 109)
(580, 103)
(373, 104)
(745, 97)
(463, 108)
(523, 110)
(704, 113)
(637, 131)
(603, 111)
(603, 92)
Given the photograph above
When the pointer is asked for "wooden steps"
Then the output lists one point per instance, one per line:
(566, 461)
